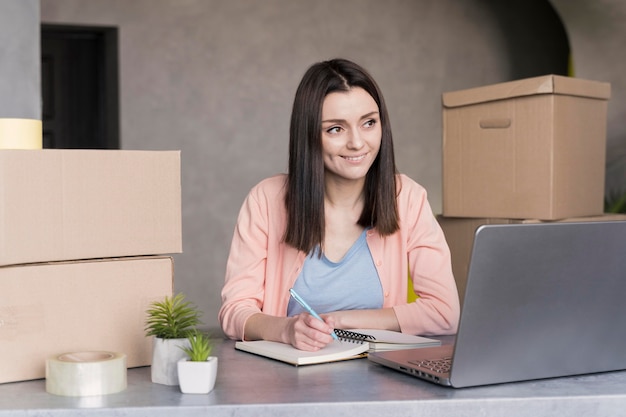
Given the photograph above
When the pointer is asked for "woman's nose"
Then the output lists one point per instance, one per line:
(355, 140)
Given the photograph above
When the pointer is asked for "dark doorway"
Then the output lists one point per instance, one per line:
(534, 35)
(79, 83)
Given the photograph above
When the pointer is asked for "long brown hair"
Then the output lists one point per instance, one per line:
(304, 198)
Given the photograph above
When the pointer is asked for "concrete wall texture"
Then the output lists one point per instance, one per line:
(20, 79)
(216, 79)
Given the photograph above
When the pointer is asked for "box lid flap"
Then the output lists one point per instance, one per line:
(547, 84)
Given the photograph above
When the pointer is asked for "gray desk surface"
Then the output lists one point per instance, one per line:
(248, 385)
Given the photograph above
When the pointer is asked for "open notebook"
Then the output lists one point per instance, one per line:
(335, 351)
(352, 344)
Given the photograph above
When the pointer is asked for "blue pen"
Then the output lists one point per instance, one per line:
(308, 309)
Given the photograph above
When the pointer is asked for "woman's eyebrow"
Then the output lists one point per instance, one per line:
(365, 116)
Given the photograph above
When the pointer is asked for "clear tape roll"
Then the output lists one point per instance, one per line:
(21, 134)
(79, 374)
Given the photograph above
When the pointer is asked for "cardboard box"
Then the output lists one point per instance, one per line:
(460, 232)
(54, 308)
(527, 149)
(58, 205)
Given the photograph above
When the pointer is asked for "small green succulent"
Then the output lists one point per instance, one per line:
(200, 347)
(172, 318)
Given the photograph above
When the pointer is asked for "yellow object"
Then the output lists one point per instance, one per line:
(21, 134)
(80, 374)
(411, 296)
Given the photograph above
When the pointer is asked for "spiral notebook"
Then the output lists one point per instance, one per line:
(351, 345)
(380, 340)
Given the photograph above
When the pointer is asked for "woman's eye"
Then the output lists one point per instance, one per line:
(370, 123)
(334, 129)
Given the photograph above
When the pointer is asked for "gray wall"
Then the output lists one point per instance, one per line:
(598, 41)
(216, 79)
(20, 85)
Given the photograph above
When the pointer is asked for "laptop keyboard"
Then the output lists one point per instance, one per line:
(441, 366)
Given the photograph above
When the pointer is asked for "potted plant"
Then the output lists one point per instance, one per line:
(170, 321)
(197, 372)
(615, 203)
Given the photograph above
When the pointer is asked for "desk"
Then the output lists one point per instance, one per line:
(248, 385)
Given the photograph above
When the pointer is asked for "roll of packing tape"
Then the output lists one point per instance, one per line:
(80, 374)
(21, 134)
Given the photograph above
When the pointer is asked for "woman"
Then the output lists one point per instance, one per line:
(342, 228)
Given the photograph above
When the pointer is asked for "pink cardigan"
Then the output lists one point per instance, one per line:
(261, 268)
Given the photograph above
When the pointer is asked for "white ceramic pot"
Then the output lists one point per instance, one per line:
(165, 355)
(197, 377)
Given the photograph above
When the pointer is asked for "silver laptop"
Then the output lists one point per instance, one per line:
(542, 300)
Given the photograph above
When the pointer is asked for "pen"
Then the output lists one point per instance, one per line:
(308, 309)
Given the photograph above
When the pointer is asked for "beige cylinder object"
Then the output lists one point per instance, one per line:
(80, 374)
(21, 134)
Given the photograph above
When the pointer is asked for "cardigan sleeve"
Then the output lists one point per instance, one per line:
(243, 290)
(436, 310)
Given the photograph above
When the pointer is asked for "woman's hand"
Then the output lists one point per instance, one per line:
(305, 332)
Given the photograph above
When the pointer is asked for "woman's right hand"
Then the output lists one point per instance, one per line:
(305, 332)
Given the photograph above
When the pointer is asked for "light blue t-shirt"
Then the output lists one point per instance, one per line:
(350, 284)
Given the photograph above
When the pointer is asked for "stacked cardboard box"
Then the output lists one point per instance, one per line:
(84, 239)
(523, 151)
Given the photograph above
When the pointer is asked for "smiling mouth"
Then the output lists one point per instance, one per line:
(354, 158)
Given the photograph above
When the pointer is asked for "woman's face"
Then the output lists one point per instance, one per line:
(351, 134)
